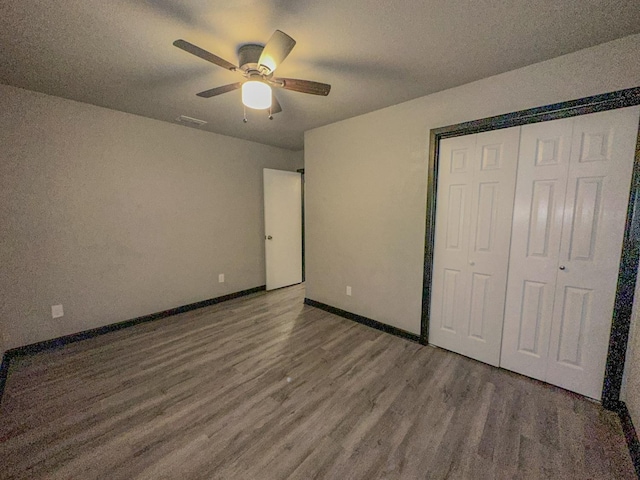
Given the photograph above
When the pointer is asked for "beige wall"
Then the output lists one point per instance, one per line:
(116, 216)
(366, 178)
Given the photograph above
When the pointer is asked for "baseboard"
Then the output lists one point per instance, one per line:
(94, 332)
(398, 332)
(630, 434)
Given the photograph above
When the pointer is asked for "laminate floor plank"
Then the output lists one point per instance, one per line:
(265, 387)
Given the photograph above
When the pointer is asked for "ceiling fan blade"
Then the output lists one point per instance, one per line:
(304, 86)
(219, 90)
(276, 50)
(275, 106)
(199, 52)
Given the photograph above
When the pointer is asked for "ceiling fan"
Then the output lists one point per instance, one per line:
(257, 64)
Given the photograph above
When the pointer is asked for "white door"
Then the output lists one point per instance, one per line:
(557, 327)
(538, 213)
(283, 227)
(476, 180)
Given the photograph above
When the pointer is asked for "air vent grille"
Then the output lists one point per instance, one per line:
(194, 122)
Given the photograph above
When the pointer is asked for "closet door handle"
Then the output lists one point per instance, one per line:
(562, 267)
(472, 263)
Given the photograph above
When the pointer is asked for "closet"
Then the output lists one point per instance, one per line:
(528, 235)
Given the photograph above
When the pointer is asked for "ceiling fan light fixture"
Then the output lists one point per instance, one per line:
(256, 95)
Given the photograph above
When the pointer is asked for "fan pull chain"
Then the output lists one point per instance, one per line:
(244, 118)
(270, 114)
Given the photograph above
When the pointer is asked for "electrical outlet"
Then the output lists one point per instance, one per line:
(348, 290)
(56, 311)
(221, 278)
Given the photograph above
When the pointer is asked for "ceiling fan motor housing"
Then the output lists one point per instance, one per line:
(249, 55)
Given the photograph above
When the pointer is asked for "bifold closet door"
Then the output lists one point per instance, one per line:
(574, 178)
(476, 181)
(538, 213)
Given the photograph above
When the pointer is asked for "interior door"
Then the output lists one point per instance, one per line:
(476, 181)
(283, 227)
(543, 166)
(595, 211)
(568, 227)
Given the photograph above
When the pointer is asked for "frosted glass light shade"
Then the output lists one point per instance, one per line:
(256, 95)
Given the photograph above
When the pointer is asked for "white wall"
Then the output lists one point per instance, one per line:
(366, 178)
(117, 216)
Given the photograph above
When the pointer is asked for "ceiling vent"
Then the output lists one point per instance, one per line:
(194, 122)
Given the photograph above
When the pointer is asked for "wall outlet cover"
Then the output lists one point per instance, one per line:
(56, 311)
(221, 278)
(348, 290)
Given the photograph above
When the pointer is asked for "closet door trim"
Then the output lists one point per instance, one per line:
(626, 281)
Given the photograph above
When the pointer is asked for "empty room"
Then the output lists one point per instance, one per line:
(289, 239)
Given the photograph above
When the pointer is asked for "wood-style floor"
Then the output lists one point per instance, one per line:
(264, 387)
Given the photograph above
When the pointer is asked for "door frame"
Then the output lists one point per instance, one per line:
(630, 255)
(301, 172)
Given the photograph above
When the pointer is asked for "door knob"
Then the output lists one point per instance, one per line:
(269, 237)
(562, 267)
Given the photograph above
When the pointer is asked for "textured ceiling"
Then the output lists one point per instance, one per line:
(119, 54)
